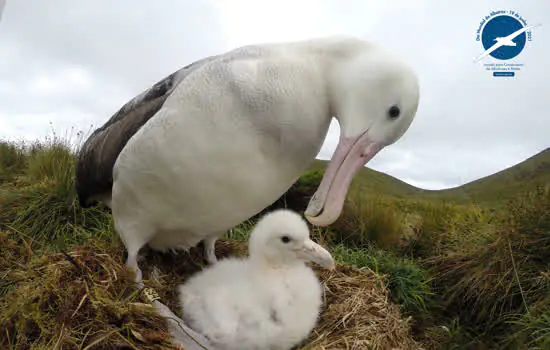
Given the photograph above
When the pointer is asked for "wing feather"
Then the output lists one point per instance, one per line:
(97, 156)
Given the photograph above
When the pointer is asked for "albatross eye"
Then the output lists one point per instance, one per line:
(285, 239)
(394, 112)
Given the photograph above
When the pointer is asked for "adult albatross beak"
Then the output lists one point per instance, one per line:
(317, 254)
(351, 154)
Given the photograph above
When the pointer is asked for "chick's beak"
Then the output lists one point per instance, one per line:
(315, 253)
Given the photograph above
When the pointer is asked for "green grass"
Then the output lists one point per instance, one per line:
(409, 284)
(43, 206)
(491, 275)
(532, 330)
(363, 221)
(12, 160)
(471, 264)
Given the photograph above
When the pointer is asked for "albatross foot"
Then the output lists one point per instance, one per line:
(181, 334)
(210, 250)
(131, 263)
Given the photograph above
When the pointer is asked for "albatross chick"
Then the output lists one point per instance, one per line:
(271, 300)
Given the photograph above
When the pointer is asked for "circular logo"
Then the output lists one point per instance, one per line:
(498, 28)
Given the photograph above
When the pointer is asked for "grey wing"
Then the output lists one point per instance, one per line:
(97, 156)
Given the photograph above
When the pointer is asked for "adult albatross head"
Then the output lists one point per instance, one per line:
(376, 99)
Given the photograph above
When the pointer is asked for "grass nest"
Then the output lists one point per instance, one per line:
(84, 299)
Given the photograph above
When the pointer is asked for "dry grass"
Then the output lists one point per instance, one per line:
(84, 299)
(358, 314)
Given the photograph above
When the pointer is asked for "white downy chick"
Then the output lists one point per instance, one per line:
(271, 300)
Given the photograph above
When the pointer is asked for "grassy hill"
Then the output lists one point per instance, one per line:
(494, 189)
(505, 184)
(375, 182)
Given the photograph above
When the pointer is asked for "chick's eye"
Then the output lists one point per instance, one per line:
(394, 112)
(285, 239)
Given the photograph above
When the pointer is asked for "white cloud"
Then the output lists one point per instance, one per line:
(248, 21)
(75, 63)
(70, 80)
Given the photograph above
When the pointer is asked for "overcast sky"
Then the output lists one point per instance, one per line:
(74, 63)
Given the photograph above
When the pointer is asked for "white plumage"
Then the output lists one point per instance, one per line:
(243, 125)
(246, 125)
(271, 300)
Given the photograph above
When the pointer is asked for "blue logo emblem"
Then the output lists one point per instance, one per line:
(503, 36)
(497, 31)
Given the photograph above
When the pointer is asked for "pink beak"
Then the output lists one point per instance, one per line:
(350, 155)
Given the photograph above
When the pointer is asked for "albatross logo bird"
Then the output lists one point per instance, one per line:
(504, 41)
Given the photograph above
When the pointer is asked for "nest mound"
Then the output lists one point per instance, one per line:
(85, 299)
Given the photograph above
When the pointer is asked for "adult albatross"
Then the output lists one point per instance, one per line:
(221, 139)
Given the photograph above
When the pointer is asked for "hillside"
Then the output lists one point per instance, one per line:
(376, 182)
(505, 184)
(493, 189)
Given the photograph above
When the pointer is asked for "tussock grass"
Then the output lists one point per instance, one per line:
(436, 216)
(492, 277)
(367, 219)
(12, 160)
(43, 206)
(85, 298)
(53, 161)
(45, 216)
